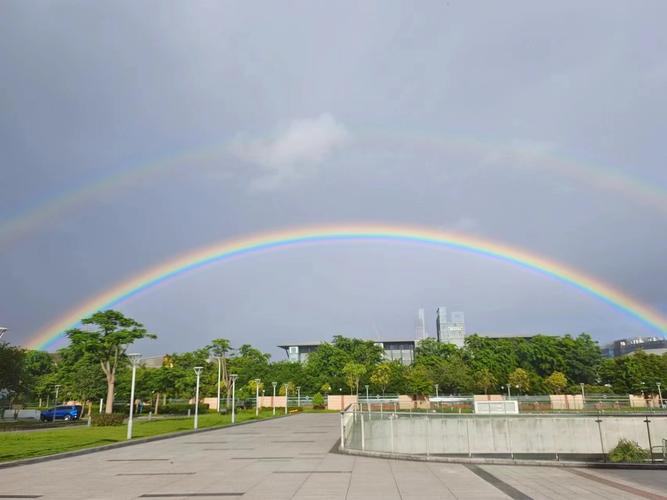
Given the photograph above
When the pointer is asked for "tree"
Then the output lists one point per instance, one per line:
(353, 373)
(11, 370)
(381, 376)
(219, 348)
(325, 388)
(108, 343)
(484, 380)
(418, 380)
(520, 379)
(556, 382)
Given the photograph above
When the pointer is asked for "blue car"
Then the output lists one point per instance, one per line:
(70, 412)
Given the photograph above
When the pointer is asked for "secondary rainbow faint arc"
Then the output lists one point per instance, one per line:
(220, 251)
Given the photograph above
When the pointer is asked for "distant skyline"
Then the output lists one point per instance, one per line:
(134, 133)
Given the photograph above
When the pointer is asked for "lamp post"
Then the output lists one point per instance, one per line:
(219, 359)
(659, 395)
(298, 396)
(257, 381)
(436, 390)
(233, 376)
(286, 396)
(198, 370)
(55, 402)
(273, 399)
(134, 361)
(509, 395)
(3, 330)
(583, 394)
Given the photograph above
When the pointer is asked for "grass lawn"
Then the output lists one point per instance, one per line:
(16, 445)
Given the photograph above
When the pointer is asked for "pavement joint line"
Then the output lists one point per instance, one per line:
(312, 472)
(21, 496)
(138, 459)
(200, 494)
(619, 486)
(506, 488)
(156, 473)
(122, 444)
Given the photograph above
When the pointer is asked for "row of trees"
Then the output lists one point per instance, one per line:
(94, 365)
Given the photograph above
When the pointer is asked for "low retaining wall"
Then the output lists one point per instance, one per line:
(500, 435)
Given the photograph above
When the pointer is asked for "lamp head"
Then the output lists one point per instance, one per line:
(198, 370)
(134, 358)
(3, 330)
(233, 376)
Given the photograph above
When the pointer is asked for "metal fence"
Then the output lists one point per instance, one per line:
(581, 437)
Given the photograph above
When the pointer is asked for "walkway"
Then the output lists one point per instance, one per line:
(290, 458)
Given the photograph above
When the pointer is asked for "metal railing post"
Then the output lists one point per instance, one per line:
(363, 436)
(342, 430)
(391, 429)
(599, 422)
(428, 420)
(650, 445)
(468, 436)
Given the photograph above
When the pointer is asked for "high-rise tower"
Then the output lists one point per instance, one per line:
(452, 331)
(421, 325)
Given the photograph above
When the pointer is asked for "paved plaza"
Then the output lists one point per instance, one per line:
(292, 458)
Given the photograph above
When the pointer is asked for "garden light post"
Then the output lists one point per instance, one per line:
(659, 395)
(233, 376)
(436, 390)
(134, 360)
(198, 370)
(286, 396)
(257, 381)
(273, 399)
(219, 359)
(55, 402)
(298, 396)
(583, 395)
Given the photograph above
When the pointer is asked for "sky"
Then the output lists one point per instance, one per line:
(134, 132)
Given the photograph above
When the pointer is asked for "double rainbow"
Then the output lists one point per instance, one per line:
(49, 336)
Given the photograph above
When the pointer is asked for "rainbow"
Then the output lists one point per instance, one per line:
(48, 336)
(642, 192)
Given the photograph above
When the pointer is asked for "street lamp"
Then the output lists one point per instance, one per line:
(233, 376)
(298, 397)
(55, 403)
(583, 395)
(436, 389)
(257, 381)
(219, 358)
(3, 330)
(286, 396)
(659, 395)
(134, 360)
(509, 395)
(273, 399)
(198, 370)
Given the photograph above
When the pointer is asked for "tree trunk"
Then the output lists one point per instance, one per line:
(111, 383)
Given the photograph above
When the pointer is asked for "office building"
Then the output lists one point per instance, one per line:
(450, 331)
(393, 350)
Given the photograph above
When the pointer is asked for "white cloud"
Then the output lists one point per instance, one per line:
(293, 151)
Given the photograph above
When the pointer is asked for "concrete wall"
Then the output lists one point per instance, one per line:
(566, 401)
(477, 434)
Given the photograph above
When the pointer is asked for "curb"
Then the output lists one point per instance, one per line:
(123, 444)
(495, 461)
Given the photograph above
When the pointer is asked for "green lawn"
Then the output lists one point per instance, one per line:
(16, 445)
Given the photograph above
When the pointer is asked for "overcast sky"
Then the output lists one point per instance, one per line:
(540, 125)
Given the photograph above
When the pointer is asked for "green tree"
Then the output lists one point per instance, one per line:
(11, 370)
(520, 379)
(108, 343)
(325, 388)
(220, 348)
(484, 380)
(556, 382)
(381, 376)
(418, 380)
(353, 373)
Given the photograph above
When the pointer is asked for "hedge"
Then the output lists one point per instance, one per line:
(107, 419)
(181, 409)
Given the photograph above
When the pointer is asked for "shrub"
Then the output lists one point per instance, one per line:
(107, 419)
(182, 409)
(318, 401)
(628, 451)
